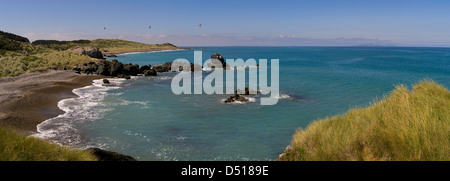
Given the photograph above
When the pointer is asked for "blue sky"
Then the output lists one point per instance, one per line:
(228, 23)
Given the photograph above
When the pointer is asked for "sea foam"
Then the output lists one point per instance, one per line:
(64, 128)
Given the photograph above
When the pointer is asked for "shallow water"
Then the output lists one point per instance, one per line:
(141, 117)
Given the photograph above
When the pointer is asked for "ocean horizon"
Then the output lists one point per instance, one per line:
(141, 117)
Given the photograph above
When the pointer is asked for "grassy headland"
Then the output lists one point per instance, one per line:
(18, 56)
(117, 46)
(16, 147)
(406, 125)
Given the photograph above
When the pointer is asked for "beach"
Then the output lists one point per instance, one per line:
(31, 98)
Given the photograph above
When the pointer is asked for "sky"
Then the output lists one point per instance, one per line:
(234, 22)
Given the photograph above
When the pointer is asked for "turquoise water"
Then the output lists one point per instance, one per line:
(141, 117)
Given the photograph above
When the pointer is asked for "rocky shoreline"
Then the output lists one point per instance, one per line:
(120, 70)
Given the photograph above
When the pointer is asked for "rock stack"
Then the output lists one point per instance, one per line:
(235, 98)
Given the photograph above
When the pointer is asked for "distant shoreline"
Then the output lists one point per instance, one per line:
(153, 51)
(121, 52)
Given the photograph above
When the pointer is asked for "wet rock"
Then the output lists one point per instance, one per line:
(161, 68)
(103, 155)
(235, 98)
(103, 67)
(217, 60)
(150, 72)
(142, 69)
(131, 69)
(219, 57)
(116, 68)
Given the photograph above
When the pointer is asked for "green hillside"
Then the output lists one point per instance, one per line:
(18, 56)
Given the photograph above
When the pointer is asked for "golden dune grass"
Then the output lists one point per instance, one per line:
(16, 147)
(406, 125)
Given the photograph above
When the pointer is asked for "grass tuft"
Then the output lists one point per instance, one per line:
(16, 147)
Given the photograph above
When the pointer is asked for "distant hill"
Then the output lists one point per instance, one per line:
(107, 46)
(56, 42)
(114, 46)
(14, 37)
(11, 42)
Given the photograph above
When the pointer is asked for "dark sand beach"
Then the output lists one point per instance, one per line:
(29, 99)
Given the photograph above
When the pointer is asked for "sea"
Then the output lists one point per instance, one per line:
(143, 118)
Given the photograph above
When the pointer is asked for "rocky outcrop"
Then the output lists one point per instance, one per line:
(130, 69)
(124, 76)
(144, 68)
(103, 155)
(117, 69)
(103, 67)
(238, 95)
(163, 68)
(219, 57)
(89, 51)
(235, 98)
(150, 72)
(193, 67)
(217, 60)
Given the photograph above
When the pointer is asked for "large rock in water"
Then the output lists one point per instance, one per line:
(89, 51)
(218, 56)
(216, 60)
(235, 98)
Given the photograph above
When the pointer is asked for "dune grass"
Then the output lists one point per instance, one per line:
(18, 64)
(411, 125)
(16, 147)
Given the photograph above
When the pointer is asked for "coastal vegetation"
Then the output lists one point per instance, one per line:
(16, 147)
(14, 37)
(406, 125)
(114, 46)
(18, 64)
(56, 42)
(18, 56)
